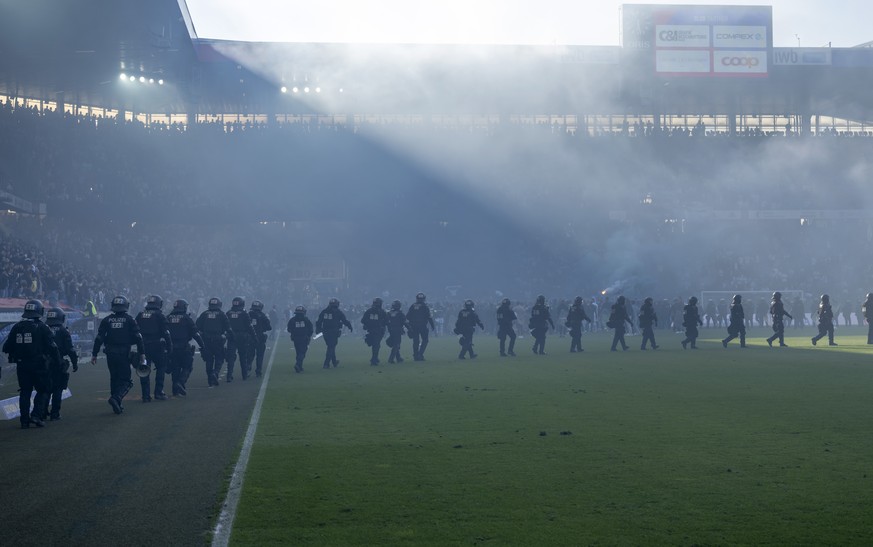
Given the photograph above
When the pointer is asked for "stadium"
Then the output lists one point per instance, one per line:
(696, 159)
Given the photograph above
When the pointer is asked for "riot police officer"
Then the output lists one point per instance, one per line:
(505, 318)
(867, 312)
(396, 327)
(31, 346)
(215, 329)
(575, 315)
(465, 326)
(825, 321)
(691, 320)
(420, 320)
(300, 329)
(375, 321)
(617, 318)
(156, 340)
(737, 322)
(182, 331)
(540, 320)
(648, 320)
(56, 319)
(330, 324)
(243, 339)
(777, 311)
(116, 333)
(261, 324)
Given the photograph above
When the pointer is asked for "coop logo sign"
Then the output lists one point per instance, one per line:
(739, 36)
(740, 62)
(676, 36)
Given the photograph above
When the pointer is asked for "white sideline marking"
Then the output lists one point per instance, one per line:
(224, 526)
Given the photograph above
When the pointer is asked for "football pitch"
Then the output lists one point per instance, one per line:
(708, 447)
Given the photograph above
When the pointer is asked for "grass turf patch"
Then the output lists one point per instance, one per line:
(714, 446)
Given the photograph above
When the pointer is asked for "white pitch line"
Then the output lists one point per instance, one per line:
(224, 526)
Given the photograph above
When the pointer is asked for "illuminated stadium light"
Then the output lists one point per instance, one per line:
(133, 78)
(151, 80)
(284, 89)
(306, 89)
(142, 79)
(340, 90)
(295, 89)
(161, 82)
(318, 90)
(123, 77)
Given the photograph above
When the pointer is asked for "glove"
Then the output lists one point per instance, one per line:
(76, 365)
(93, 359)
(142, 360)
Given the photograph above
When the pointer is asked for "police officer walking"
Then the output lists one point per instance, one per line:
(182, 331)
(691, 320)
(261, 325)
(396, 327)
(648, 320)
(31, 346)
(420, 320)
(300, 329)
(617, 318)
(737, 324)
(156, 339)
(56, 319)
(825, 321)
(540, 320)
(243, 339)
(116, 333)
(465, 326)
(375, 321)
(867, 312)
(575, 315)
(777, 311)
(330, 323)
(215, 329)
(505, 318)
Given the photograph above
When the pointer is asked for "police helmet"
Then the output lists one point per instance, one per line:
(578, 300)
(333, 303)
(620, 300)
(693, 300)
(648, 301)
(33, 309)
(299, 310)
(154, 302)
(468, 304)
(777, 295)
(377, 302)
(181, 305)
(737, 299)
(238, 303)
(119, 304)
(825, 298)
(396, 305)
(420, 297)
(869, 295)
(257, 305)
(55, 316)
(505, 302)
(214, 304)
(541, 299)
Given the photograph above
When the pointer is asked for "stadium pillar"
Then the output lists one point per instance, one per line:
(732, 123)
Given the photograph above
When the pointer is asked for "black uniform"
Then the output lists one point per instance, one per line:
(648, 321)
(60, 374)
(330, 323)
(181, 363)
(31, 346)
(617, 318)
(505, 318)
(242, 343)
(691, 320)
(396, 328)
(540, 321)
(777, 312)
(300, 328)
(215, 329)
(152, 325)
(375, 322)
(261, 324)
(867, 312)
(117, 333)
(825, 323)
(575, 315)
(420, 324)
(465, 326)
(737, 325)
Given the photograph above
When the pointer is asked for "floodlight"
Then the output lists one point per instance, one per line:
(142, 79)
(160, 82)
(340, 90)
(295, 89)
(318, 90)
(306, 89)
(151, 80)
(284, 89)
(123, 76)
(133, 78)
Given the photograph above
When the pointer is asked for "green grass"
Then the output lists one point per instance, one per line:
(708, 447)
